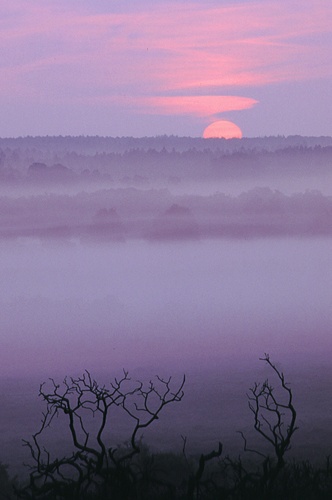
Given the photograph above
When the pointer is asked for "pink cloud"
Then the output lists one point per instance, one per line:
(54, 51)
(193, 105)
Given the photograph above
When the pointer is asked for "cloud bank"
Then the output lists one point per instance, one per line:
(164, 58)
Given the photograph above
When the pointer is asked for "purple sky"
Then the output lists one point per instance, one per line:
(165, 67)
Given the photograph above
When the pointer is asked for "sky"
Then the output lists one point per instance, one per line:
(148, 67)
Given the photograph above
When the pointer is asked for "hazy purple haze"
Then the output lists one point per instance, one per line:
(147, 260)
(168, 254)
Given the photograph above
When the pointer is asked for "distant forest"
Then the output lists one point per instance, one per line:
(119, 188)
(69, 159)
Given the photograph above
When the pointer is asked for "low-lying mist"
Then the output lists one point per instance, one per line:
(167, 274)
(76, 306)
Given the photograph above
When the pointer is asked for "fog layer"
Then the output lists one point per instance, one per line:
(141, 266)
(70, 307)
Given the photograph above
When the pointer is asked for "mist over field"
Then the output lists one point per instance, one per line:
(167, 255)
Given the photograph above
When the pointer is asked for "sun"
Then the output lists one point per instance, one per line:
(222, 129)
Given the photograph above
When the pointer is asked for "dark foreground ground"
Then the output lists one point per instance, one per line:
(192, 450)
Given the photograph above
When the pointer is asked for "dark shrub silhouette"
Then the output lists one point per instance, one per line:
(95, 470)
(95, 467)
(7, 484)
